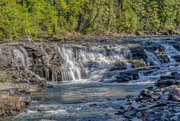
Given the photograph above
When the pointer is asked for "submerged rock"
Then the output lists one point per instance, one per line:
(93, 105)
(109, 114)
(151, 116)
(146, 93)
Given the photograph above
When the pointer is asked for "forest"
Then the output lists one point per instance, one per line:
(33, 17)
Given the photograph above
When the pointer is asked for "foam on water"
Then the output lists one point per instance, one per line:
(170, 52)
(80, 62)
(56, 112)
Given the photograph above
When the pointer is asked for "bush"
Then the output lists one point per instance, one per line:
(4, 79)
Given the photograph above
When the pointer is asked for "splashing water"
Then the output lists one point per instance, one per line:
(81, 62)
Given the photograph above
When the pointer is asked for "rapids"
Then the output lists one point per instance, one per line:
(89, 76)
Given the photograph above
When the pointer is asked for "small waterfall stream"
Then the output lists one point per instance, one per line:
(21, 59)
(81, 62)
(152, 58)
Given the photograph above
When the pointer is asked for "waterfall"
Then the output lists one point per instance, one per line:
(27, 58)
(47, 74)
(170, 52)
(152, 58)
(96, 62)
(80, 62)
(54, 76)
(21, 58)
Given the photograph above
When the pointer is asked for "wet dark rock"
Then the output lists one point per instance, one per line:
(151, 116)
(49, 86)
(93, 105)
(39, 110)
(150, 88)
(158, 50)
(139, 98)
(165, 97)
(137, 51)
(155, 97)
(165, 83)
(146, 93)
(158, 104)
(128, 103)
(138, 63)
(175, 94)
(120, 112)
(130, 108)
(167, 77)
(120, 66)
(126, 76)
(109, 114)
(122, 107)
(177, 76)
(129, 114)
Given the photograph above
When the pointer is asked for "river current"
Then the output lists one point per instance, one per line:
(70, 99)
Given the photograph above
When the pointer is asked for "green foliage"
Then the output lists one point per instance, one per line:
(4, 79)
(25, 17)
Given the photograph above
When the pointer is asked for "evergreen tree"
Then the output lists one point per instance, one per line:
(24, 17)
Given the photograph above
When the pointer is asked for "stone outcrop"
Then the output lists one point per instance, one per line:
(38, 62)
(13, 100)
(156, 103)
(158, 50)
(5, 56)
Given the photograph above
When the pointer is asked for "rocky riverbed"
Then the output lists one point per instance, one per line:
(30, 66)
(13, 100)
(159, 102)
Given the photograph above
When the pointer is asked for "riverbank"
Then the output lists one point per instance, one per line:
(98, 36)
(159, 102)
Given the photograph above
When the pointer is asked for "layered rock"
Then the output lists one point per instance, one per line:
(13, 100)
(40, 62)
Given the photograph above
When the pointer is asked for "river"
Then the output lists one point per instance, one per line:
(70, 99)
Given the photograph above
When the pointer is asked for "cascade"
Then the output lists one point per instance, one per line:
(97, 62)
(80, 62)
(54, 76)
(152, 58)
(21, 58)
(28, 60)
(170, 52)
(47, 74)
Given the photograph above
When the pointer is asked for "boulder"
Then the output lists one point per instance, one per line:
(12, 102)
(151, 116)
(175, 94)
(146, 93)
(93, 105)
(165, 83)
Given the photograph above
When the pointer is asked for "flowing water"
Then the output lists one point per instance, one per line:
(87, 80)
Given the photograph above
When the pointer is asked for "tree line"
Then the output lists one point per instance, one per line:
(33, 17)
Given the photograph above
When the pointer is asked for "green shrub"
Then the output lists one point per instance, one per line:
(4, 79)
